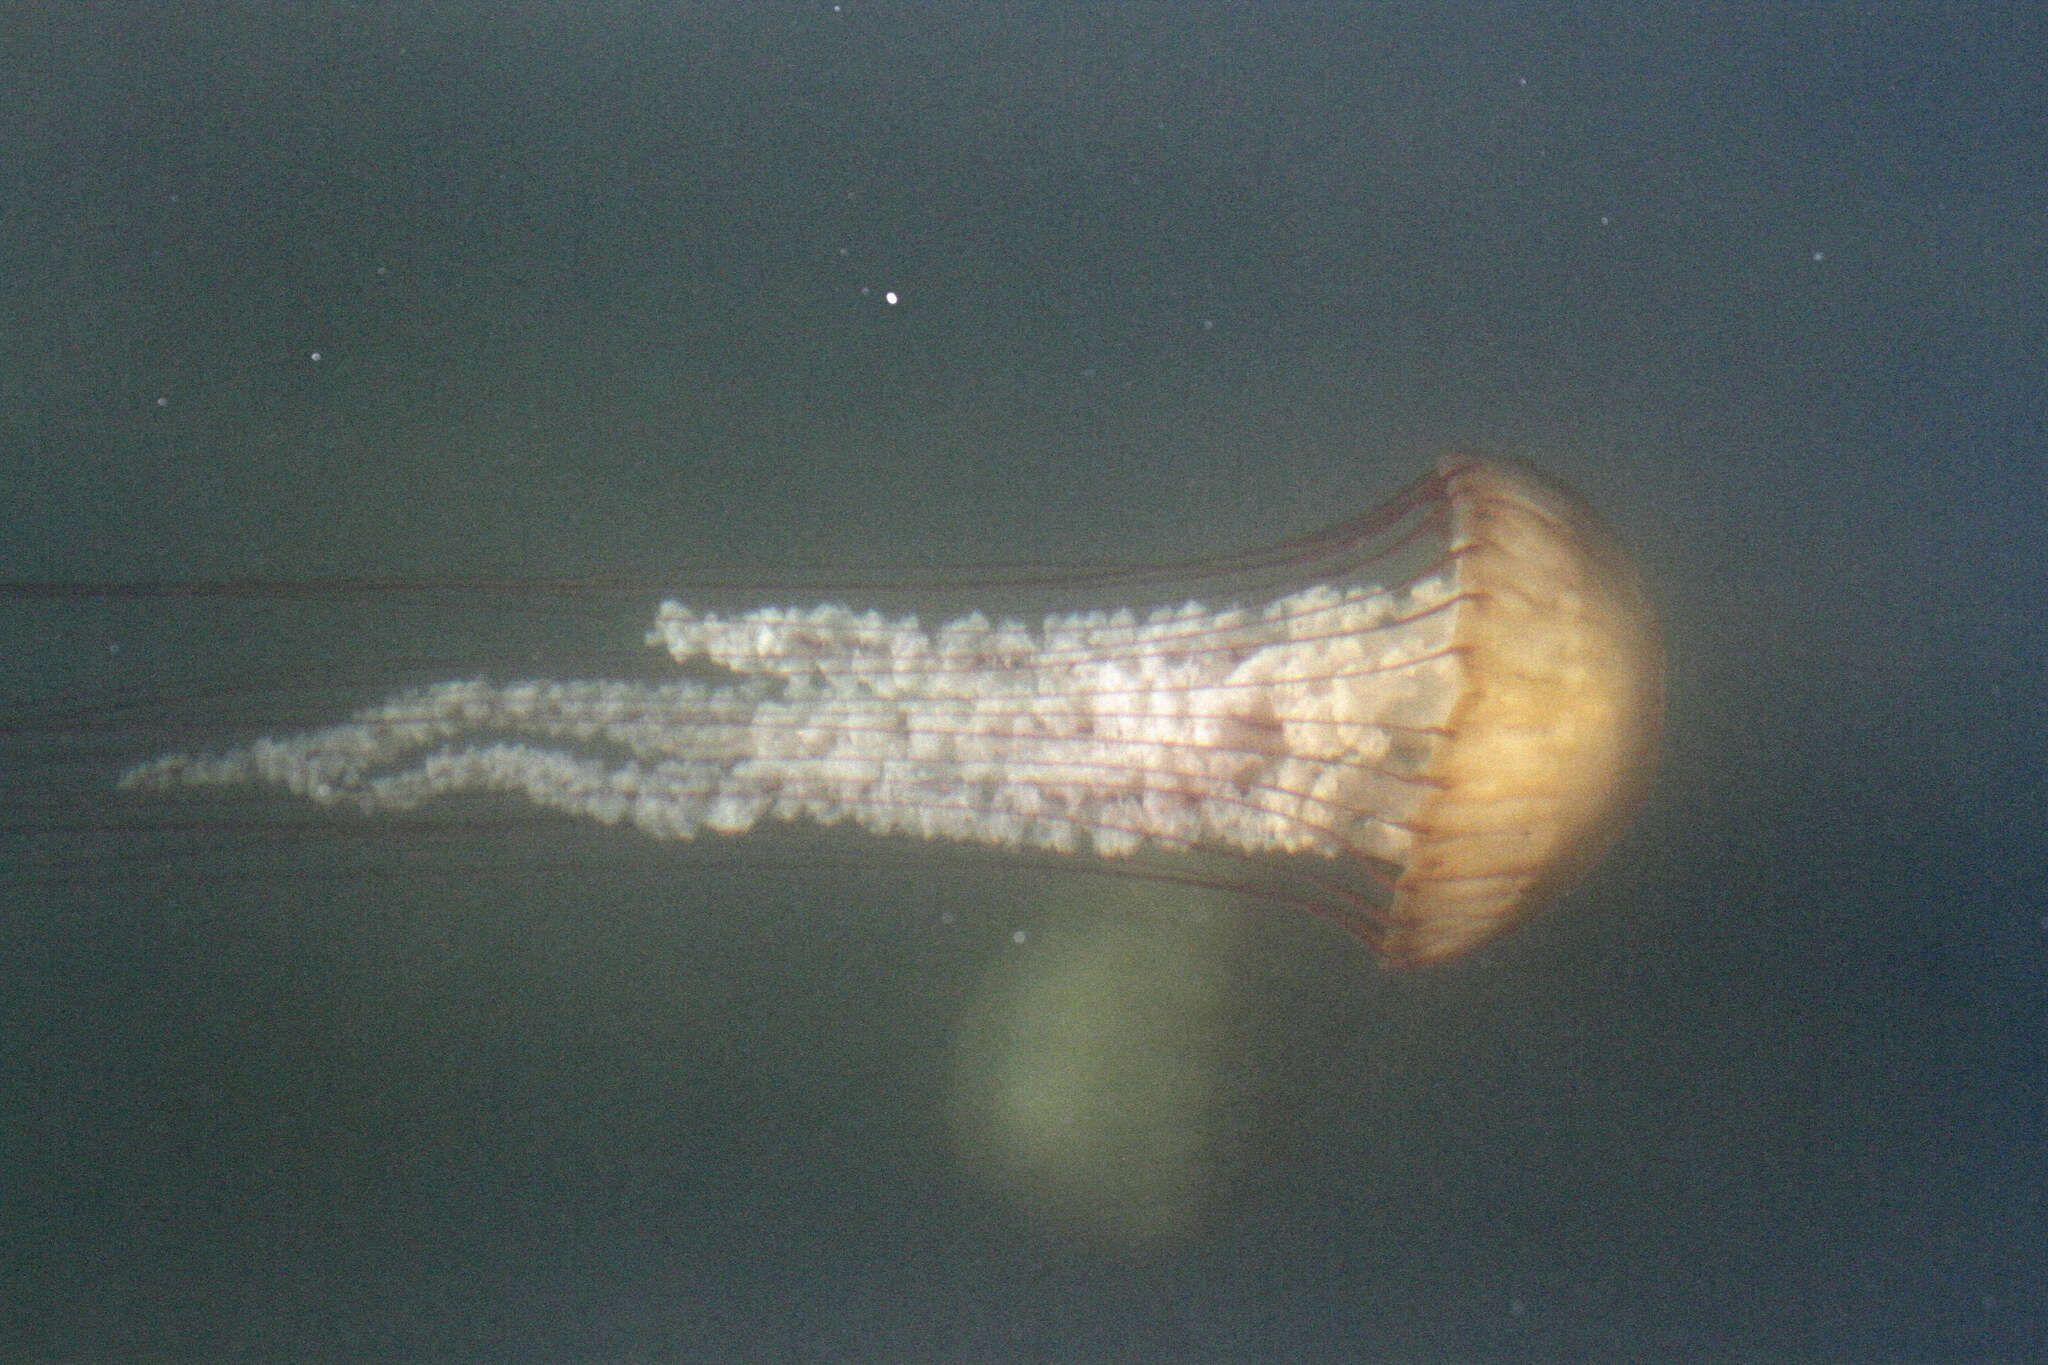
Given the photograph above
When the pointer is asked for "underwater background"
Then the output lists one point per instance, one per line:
(465, 291)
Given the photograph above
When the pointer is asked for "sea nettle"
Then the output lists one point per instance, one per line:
(1419, 724)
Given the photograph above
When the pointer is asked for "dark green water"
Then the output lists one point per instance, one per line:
(450, 291)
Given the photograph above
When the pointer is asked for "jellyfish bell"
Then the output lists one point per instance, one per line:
(1549, 740)
(1418, 725)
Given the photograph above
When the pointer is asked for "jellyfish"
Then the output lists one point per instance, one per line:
(1420, 725)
